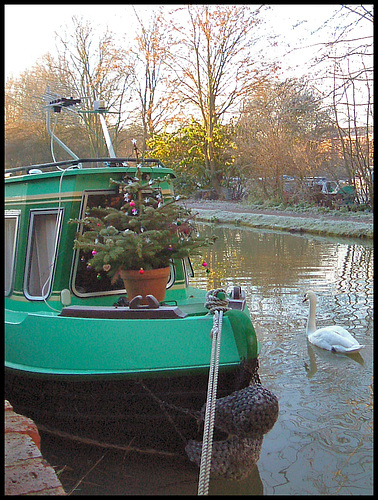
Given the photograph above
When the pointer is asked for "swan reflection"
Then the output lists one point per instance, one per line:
(311, 366)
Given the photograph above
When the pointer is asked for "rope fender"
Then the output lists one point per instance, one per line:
(250, 412)
(232, 458)
(246, 415)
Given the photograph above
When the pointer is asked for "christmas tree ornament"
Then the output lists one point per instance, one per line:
(98, 276)
(204, 263)
(94, 252)
(141, 270)
(106, 267)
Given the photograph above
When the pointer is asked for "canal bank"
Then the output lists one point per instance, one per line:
(348, 224)
(26, 472)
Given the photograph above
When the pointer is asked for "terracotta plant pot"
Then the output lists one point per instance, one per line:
(149, 282)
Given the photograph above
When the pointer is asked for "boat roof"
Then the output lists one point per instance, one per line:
(145, 165)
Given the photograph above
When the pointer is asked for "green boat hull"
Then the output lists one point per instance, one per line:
(49, 344)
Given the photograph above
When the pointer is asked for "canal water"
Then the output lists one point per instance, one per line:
(322, 442)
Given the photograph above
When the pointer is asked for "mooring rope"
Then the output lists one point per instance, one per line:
(217, 303)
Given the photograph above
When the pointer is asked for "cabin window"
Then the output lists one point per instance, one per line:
(43, 238)
(10, 245)
(87, 282)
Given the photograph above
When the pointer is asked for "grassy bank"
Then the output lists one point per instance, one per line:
(330, 223)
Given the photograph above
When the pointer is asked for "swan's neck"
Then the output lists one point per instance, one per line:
(311, 324)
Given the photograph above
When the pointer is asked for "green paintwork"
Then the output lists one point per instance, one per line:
(245, 335)
(45, 343)
(38, 340)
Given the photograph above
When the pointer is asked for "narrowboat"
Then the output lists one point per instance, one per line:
(79, 357)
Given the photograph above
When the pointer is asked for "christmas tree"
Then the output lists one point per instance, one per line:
(145, 232)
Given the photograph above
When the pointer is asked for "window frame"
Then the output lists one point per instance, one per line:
(12, 214)
(188, 270)
(76, 253)
(35, 212)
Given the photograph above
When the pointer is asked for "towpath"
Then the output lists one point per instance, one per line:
(346, 224)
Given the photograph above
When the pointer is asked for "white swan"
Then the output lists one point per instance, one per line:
(333, 338)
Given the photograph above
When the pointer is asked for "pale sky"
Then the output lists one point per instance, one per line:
(30, 29)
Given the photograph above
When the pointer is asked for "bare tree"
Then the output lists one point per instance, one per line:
(280, 132)
(352, 95)
(96, 69)
(212, 68)
(88, 66)
(149, 54)
(345, 62)
(26, 137)
(356, 140)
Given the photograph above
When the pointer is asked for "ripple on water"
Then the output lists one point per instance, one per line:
(322, 440)
(334, 437)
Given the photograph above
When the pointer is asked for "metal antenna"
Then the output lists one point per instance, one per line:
(57, 104)
(99, 106)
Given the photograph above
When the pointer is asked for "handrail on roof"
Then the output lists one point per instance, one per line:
(68, 163)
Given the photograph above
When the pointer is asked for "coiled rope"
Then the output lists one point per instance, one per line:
(217, 303)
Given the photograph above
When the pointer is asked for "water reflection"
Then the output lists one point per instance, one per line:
(277, 268)
(311, 366)
(322, 441)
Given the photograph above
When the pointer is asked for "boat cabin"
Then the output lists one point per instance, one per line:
(39, 258)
